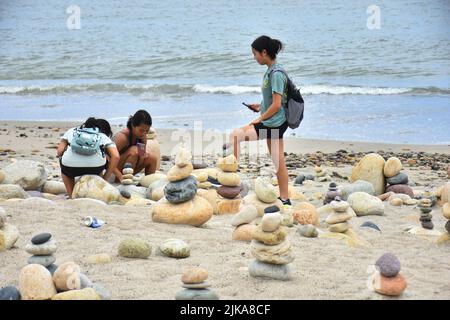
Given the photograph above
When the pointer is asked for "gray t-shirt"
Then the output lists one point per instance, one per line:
(73, 159)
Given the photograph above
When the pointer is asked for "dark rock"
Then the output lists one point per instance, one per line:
(401, 188)
(369, 224)
(299, 179)
(9, 293)
(41, 238)
(199, 164)
(400, 178)
(229, 192)
(212, 180)
(181, 191)
(389, 265)
(52, 268)
(196, 294)
(271, 209)
(427, 225)
(447, 226)
(125, 194)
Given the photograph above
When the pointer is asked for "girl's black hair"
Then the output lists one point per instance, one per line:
(272, 46)
(140, 117)
(102, 125)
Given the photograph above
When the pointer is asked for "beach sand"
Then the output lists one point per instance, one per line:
(323, 268)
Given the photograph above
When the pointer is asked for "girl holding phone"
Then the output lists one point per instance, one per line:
(271, 124)
(131, 143)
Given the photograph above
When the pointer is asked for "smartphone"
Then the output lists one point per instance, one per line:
(249, 106)
(141, 149)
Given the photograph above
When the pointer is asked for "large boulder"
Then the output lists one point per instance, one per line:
(194, 212)
(181, 191)
(365, 204)
(94, 187)
(35, 283)
(370, 168)
(357, 186)
(12, 191)
(30, 175)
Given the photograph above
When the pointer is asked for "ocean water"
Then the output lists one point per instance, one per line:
(190, 62)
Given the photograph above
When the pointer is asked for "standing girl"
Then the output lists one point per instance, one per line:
(272, 123)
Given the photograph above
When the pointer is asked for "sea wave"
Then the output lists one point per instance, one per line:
(178, 89)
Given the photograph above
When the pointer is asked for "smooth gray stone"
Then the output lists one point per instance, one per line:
(85, 282)
(9, 293)
(270, 271)
(369, 224)
(42, 260)
(41, 238)
(101, 291)
(52, 268)
(299, 179)
(181, 191)
(357, 186)
(196, 294)
(400, 178)
(201, 285)
(196, 164)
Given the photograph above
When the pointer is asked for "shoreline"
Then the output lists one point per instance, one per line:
(292, 144)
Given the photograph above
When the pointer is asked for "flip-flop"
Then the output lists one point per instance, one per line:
(227, 145)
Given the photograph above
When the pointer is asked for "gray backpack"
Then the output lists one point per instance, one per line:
(295, 105)
(86, 141)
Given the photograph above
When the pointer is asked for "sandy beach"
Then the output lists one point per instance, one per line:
(323, 268)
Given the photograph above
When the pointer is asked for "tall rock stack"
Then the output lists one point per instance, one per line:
(8, 233)
(271, 248)
(181, 204)
(195, 286)
(332, 193)
(338, 220)
(229, 191)
(396, 180)
(425, 214)
(128, 177)
(387, 279)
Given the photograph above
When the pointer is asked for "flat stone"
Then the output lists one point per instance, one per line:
(194, 275)
(9, 293)
(389, 286)
(175, 248)
(339, 206)
(43, 249)
(259, 269)
(41, 238)
(339, 227)
(427, 225)
(181, 191)
(127, 171)
(199, 164)
(400, 178)
(401, 188)
(83, 294)
(42, 260)
(228, 206)
(269, 238)
(196, 294)
(336, 217)
(229, 192)
(201, 285)
(276, 254)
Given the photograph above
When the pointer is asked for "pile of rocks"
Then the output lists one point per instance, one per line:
(425, 214)
(8, 233)
(242, 221)
(181, 204)
(396, 180)
(386, 279)
(332, 193)
(67, 283)
(196, 287)
(338, 220)
(42, 249)
(271, 248)
(128, 177)
(230, 189)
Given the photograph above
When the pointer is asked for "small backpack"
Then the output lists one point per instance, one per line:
(295, 105)
(86, 141)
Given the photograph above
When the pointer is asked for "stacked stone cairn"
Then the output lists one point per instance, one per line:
(396, 180)
(425, 214)
(128, 177)
(181, 204)
(8, 233)
(332, 193)
(196, 287)
(386, 279)
(229, 200)
(338, 220)
(42, 249)
(271, 248)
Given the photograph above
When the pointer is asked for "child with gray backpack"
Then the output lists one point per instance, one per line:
(87, 149)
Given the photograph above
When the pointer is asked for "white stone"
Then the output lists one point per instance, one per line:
(30, 175)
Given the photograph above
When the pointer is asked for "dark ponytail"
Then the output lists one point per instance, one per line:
(140, 117)
(102, 125)
(272, 46)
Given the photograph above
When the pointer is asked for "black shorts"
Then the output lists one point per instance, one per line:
(73, 172)
(265, 132)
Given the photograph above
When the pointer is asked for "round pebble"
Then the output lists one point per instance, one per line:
(194, 275)
(271, 209)
(388, 264)
(41, 238)
(42, 260)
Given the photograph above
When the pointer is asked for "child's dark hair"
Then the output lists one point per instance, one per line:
(272, 46)
(140, 117)
(102, 125)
